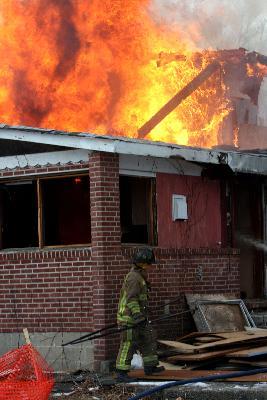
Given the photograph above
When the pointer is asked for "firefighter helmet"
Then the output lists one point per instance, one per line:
(144, 256)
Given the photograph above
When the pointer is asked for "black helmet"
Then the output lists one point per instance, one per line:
(144, 256)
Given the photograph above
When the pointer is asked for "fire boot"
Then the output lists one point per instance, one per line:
(153, 370)
(123, 377)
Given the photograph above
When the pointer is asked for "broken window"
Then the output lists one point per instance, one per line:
(138, 210)
(45, 212)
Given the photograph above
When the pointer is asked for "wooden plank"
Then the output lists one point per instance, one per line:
(182, 347)
(262, 364)
(238, 334)
(207, 339)
(237, 338)
(201, 356)
(26, 335)
(251, 352)
(188, 374)
(255, 330)
(196, 335)
(233, 340)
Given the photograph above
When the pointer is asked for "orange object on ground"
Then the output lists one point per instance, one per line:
(25, 375)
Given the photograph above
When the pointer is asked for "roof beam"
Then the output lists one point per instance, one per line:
(178, 98)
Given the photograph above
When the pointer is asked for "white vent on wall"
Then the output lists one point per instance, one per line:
(179, 207)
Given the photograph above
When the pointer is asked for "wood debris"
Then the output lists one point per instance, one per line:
(225, 352)
(242, 350)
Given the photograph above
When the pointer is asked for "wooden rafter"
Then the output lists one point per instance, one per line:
(178, 98)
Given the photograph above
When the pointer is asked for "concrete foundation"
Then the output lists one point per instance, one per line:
(61, 359)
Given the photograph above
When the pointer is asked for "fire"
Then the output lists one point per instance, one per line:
(257, 69)
(93, 66)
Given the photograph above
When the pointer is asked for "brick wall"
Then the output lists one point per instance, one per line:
(176, 274)
(106, 242)
(181, 271)
(76, 290)
(46, 291)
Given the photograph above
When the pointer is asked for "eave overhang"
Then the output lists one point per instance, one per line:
(238, 162)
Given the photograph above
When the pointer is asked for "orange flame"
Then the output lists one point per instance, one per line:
(257, 69)
(91, 66)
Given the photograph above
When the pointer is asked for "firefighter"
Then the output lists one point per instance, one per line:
(132, 314)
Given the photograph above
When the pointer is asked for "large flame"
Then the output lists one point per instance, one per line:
(92, 66)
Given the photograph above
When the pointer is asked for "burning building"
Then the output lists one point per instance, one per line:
(74, 206)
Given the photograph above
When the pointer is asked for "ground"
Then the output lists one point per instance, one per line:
(89, 390)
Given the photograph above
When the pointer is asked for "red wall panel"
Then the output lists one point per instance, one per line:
(203, 227)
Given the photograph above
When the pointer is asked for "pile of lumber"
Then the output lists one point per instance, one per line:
(202, 354)
(228, 350)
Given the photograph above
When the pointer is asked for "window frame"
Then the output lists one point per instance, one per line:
(40, 222)
(152, 226)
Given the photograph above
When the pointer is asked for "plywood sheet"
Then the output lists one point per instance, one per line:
(261, 364)
(182, 347)
(241, 337)
(234, 340)
(207, 339)
(252, 352)
(201, 356)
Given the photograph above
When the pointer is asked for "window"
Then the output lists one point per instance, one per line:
(138, 210)
(65, 204)
(18, 215)
(45, 212)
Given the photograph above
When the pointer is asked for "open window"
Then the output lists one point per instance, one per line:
(65, 204)
(138, 210)
(18, 215)
(45, 212)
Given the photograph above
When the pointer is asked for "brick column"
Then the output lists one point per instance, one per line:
(106, 244)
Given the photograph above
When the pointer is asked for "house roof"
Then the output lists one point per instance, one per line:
(254, 162)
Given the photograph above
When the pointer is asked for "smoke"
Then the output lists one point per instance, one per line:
(250, 241)
(219, 24)
(66, 36)
(30, 107)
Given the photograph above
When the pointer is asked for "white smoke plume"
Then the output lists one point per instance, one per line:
(217, 24)
(249, 240)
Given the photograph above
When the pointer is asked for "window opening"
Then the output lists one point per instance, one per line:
(138, 210)
(52, 211)
(18, 215)
(66, 208)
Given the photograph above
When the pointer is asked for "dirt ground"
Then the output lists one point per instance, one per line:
(89, 391)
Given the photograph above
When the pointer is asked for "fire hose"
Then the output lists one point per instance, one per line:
(199, 379)
(115, 329)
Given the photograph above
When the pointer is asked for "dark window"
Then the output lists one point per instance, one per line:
(66, 211)
(138, 210)
(18, 215)
(45, 212)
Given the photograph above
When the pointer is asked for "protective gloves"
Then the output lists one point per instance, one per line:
(139, 318)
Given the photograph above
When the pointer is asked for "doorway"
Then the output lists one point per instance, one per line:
(248, 235)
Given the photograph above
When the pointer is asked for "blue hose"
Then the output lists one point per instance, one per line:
(200, 379)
